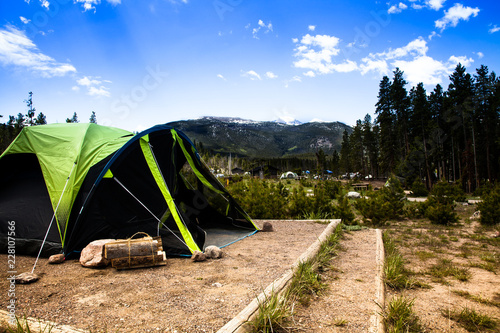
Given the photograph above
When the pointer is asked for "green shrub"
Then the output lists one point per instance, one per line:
(385, 204)
(344, 211)
(418, 189)
(490, 207)
(415, 210)
(441, 203)
(374, 210)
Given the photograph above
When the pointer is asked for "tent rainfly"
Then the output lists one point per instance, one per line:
(70, 184)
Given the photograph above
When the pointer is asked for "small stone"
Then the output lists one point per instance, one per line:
(213, 252)
(26, 278)
(56, 258)
(198, 256)
(267, 227)
(217, 285)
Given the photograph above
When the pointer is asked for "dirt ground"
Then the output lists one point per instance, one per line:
(182, 296)
(201, 297)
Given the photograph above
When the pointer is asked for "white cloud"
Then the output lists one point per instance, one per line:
(261, 26)
(435, 4)
(311, 27)
(494, 29)
(94, 86)
(316, 53)
(374, 65)
(90, 4)
(414, 61)
(296, 78)
(98, 91)
(24, 20)
(480, 55)
(45, 4)
(395, 9)
(16, 49)
(271, 75)
(422, 69)
(220, 76)
(432, 35)
(252, 75)
(310, 74)
(87, 81)
(453, 15)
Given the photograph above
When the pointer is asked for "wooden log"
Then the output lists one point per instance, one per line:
(133, 247)
(139, 261)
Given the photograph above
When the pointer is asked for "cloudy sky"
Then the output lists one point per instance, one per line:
(140, 63)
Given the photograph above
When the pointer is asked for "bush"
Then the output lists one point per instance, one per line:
(441, 203)
(385, 204)
(441, 214)
(490, 208)
(415, 210)
(418, 189)
(344, 211)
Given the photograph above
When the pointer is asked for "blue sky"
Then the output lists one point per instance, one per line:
(141, 63)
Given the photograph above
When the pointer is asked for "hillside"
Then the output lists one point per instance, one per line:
(263, 139)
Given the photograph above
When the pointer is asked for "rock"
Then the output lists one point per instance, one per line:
(26, 278)
(496, 234)
(213, 252)
(56, 258)
(198, 256)
(217, 284)
(267, 227)
(93, 254)
(353, 195)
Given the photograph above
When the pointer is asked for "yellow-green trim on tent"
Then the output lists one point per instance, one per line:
(155, 171)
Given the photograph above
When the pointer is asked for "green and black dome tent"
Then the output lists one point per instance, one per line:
(70, 184)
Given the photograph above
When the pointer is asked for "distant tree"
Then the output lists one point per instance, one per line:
(93, 118)
(345, 156)
(30, 116)
(73, 119)
(41, 119)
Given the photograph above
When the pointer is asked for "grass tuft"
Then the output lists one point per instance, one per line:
(400, 317)
(471, 320)
(476, 298)
(273, 314)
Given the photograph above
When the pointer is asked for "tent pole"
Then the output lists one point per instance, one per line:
(53, 217)
(157, 219)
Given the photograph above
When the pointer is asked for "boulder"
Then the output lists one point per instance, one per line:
(26, 278)
(213, 252)
(93, 254)
(267, 227)
(353, 195)
(56, 258)
(198, 256)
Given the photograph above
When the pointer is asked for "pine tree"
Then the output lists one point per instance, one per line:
(73, 119)
(30, 116)
(461, 113)
(40, 119)
(386, 120)
(93, 118)
(400, 104)
(345, 156)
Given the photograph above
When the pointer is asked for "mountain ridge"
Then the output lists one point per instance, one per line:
(263, 139)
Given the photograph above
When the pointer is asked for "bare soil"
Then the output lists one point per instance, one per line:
(183, 296)
(201, 297)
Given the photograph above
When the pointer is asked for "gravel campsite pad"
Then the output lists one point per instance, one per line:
(183, 296)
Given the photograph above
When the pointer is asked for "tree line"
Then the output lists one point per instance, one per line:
(10, 129)
(450, 135)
